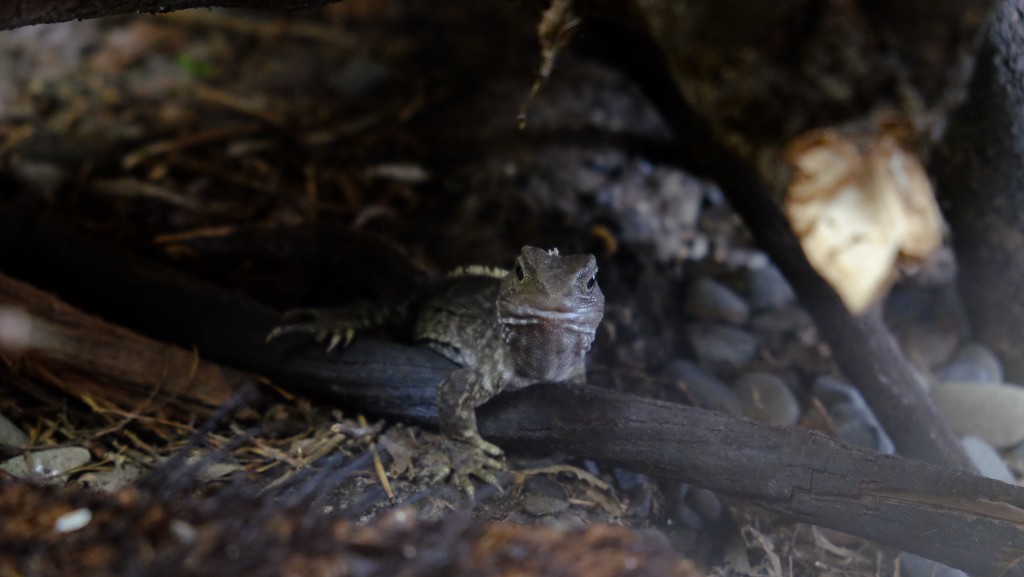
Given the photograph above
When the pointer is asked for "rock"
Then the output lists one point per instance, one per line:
(1015, 459)
(703, 389)
(831, 390)
(855, 424)
(48, 464)
(914, 566)
(721, 347)
(767, 398)
(852, 418)
(705, 503)
(110, 480)
(710, 300)
(781, 320)
(973, 363)
(930, 346)
(987, 460)
(359, 76)
(10, 434)
(540, 506)
(994, 413)
(768, 288)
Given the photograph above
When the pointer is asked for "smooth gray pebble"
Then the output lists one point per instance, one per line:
(10, 434)
(722, 347)
(993, 412)
(540, 506)
(930, 345)
(709, 300)
(972, 363)
(768, 288)
(855, 424)
(705, 503)
(765, 397)
(705, 390)
(48, 464)
(988, 461)
(781, 320)
(853, 419)
(915, 566)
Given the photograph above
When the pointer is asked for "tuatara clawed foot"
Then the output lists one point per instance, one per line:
(469, 461)
(336, 324)
(463, 461)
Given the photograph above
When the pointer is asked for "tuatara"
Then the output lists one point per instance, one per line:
(508, 329)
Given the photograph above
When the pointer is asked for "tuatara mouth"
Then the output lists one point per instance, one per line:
(581, 320)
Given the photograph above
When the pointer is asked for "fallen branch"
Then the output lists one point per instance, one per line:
(44, 339)
(965, 521)
(979, 178)
(17, 13)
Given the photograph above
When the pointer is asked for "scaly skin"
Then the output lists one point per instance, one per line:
(534, 325)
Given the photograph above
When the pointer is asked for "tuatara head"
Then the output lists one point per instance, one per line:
(549, 307)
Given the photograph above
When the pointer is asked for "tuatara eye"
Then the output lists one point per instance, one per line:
(591, 283)
(520, 274)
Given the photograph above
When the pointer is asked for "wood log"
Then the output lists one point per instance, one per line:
(17, 13)
(105, 365)
(980, 180)
(949, 515)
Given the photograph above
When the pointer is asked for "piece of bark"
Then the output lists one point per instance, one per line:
(952, 516)
(862, 346)
(17, 13)
(980, 180)
(42, 338)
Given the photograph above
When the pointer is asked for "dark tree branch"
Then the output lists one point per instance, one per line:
(979, 178)
(71, 350)
(962, 520)
(17, 13)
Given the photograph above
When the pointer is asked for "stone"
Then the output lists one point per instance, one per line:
(705, 503)
(1015, 459)
(855, 424)
(704, 390)
(360, 76)
(853, 420)
(539, 506)
(781, 320)
(722, 347)
(975, 363)
(994, 413)
(768, 289)
(987, 460)
(48, 464)
(914, 566)
(709, 300)
(10, 434)
(765, 397)
(930, 346)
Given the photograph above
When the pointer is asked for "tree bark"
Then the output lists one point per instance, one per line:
(17, 13)
(980, 181)
(94, 361)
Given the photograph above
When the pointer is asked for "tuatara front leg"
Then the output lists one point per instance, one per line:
(341, 324)
(469, 455)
